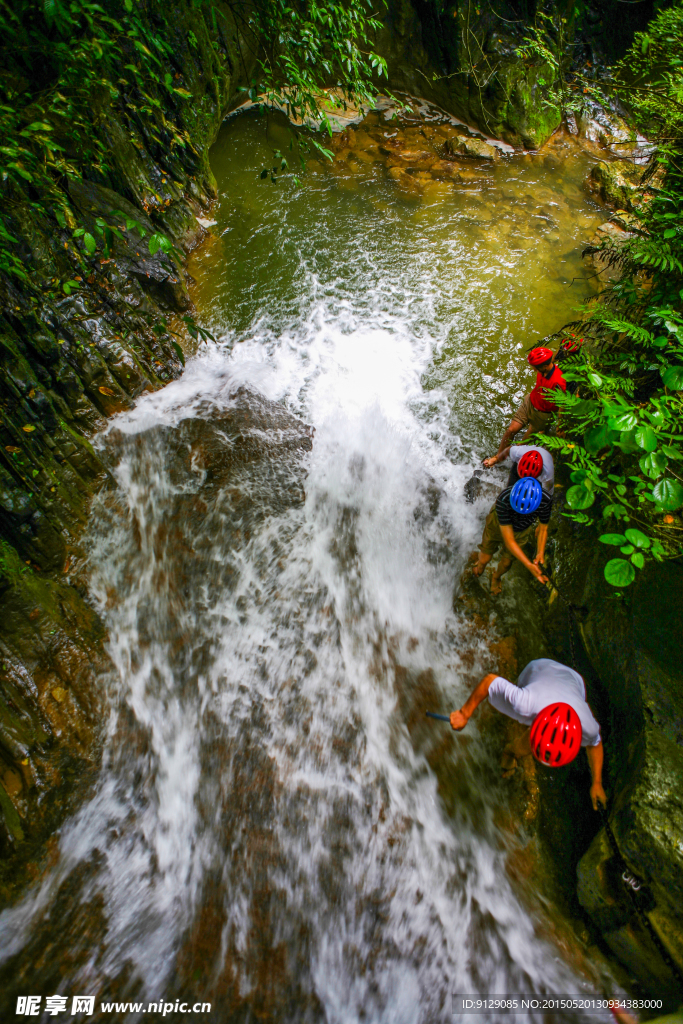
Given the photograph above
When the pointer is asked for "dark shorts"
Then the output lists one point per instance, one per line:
(492, 538)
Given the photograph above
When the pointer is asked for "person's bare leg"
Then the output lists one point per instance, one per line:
(481, 562)
(503, 567)
(513, 429)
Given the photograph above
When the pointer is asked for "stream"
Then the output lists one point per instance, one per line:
(276, 568)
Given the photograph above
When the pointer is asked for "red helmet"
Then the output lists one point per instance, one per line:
(539, 355)
(556, 735)
(572, 344)
(530, 464)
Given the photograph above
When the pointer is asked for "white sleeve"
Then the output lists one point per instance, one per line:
(590, 742)
(510, 700)
(517, 450)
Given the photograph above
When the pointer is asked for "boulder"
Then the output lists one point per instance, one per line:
(463, 145)
(616, 183)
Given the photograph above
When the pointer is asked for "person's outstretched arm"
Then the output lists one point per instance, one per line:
(459, 719)
(508, 535)
(541, 538)
(595, 757)
(500, 457)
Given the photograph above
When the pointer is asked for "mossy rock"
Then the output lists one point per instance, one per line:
(616, 183)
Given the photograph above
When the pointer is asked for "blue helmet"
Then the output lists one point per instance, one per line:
(525, 496)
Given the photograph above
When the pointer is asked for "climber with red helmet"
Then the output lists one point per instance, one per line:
(536, 408)
(550, 698)
(527, 460)
(511, 523)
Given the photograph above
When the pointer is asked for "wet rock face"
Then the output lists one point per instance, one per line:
(52, 668)
(635, 651)
(232, 468)
(67, 362)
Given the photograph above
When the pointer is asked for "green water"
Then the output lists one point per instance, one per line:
(481, 268)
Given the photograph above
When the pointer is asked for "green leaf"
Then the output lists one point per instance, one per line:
(598, 437)
(627, 441)
(89, 242)
(613, 538)
(669, 494)
(653, 465)
(20, 170)
(580, 497)
(154, 243)
(673, 453)
(627, 549)
(595, 379)
(637, 538)
(128, 4)
(638, 559)
(624, 421)
(178, 351)
(646, 438)
(673, 377)
(619, 572)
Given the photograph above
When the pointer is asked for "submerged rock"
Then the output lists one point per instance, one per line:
(463, 145)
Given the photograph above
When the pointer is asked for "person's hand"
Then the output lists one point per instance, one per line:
(458, 720)
(539, 560)
(537, 572)
(491, 462)
(597, 793)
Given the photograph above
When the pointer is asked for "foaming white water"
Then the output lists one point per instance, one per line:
(266, 663)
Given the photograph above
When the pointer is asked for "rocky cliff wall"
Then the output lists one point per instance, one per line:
(634, 647)
(67, 361)
(463, 58)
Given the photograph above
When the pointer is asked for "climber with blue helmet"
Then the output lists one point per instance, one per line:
(511, 523)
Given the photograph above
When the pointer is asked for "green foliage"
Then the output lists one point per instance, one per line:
(650, 76)
(62, 64)
(65, 63)
(622, 428)
(309, 48)
(619, 572)
(550, 41)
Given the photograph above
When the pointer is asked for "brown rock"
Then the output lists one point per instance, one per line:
(462, 145)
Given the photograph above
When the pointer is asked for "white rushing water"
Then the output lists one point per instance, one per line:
(283, 666)
(266, 830)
